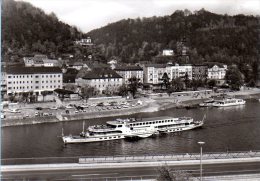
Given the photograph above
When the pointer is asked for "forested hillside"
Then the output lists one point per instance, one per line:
(209, 37)
(27, 30)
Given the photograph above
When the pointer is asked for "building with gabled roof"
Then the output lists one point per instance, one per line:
(103, 79)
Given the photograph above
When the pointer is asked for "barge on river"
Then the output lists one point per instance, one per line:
(133, 128)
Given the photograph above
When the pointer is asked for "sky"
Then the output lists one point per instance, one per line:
(91, 14)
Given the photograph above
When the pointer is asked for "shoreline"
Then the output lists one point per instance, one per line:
(150, 105)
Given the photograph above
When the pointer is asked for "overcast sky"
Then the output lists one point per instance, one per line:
(91, 14)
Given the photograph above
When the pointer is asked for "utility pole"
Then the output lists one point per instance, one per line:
(201, 143)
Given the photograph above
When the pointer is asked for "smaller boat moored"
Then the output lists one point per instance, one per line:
(229, 102)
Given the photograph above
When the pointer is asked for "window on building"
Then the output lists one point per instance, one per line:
(36, 76)
(9, 76)
(36, 87)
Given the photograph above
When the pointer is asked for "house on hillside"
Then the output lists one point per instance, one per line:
(167, 52)
(84, 42)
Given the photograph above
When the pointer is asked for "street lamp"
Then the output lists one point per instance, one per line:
(201, 143)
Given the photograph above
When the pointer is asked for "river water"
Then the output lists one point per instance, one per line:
(232, 128)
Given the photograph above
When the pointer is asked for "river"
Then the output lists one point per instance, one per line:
(233, 128)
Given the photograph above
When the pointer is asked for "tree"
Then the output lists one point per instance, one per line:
(167, 174)
(186, 80)
(165, 80)
(123, 90)
(177, 85)
(212, 83)
(25, 96)
(234, 78)
(44, 94)
(133, 85)
(87, 92)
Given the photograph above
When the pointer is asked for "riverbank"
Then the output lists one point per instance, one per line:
(148, 105)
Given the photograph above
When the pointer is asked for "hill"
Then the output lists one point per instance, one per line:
(209, 37)
(27, 30)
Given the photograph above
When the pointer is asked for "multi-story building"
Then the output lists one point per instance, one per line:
(36, 61)
(217, 71)
(103, 79)
(180, 71)
(153, 73)
(199, 72)
(36, 79)
(51, 63)
(128, 72)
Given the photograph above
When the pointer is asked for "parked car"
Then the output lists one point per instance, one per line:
(54, 108)
(38, 108)
(69, 106)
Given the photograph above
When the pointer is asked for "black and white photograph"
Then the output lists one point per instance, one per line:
(130, 90)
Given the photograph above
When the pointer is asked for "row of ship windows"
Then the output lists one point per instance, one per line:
(154, 122)
(30, 76)
(36, 87)
(110, 137)
(23, 82)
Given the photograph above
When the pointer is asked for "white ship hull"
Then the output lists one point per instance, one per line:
(227, 105)
(181, 128)
(78, 139)
(144, 128)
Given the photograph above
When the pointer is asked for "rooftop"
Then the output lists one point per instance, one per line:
(32, 70)
(128, 68)
(101, 73)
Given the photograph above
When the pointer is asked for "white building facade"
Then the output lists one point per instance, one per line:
(153, 73)
(101, 79)
(217, 71)
(36, 79)
(127, 72)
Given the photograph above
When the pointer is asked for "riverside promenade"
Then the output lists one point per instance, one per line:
(214, 166)
(152, 103)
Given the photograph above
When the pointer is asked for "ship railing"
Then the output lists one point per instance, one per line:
(104, 128)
